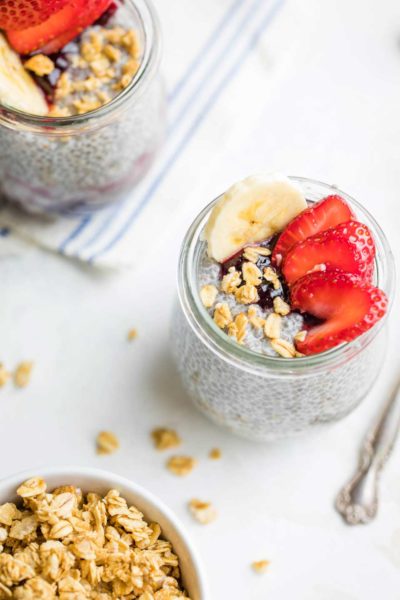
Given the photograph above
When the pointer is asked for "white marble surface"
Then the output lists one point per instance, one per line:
(333, 114)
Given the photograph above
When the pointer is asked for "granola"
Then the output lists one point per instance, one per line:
(132, 335)
(165, 438)
(4, 375)
(283, 348)
(97, 547)
(215, 454)
(181, 465)
(222, 315)
(202, 512)
(272, 327)
(107, 442)
(22, 374)
(231, 281)
(208, 294)
(107, 60)
(260, 566)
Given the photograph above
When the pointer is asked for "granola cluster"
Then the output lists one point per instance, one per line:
(21, 376)
(73, 546)
(243, 285)
(106, 63)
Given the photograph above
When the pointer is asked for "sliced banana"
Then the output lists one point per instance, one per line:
(17, 88)
(252, 210)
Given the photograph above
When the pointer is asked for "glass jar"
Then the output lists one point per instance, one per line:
(84, 162)
(263, 397)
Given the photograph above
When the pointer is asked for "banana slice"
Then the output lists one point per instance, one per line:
(252, 210)
(17, 88)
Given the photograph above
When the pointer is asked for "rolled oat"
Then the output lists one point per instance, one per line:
(104, 549)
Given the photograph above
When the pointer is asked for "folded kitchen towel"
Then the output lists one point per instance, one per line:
(217, 77)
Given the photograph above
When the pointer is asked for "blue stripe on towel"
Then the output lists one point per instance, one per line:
(223, 83)
(228, 16)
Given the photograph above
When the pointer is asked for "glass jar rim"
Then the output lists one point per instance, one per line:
(151, 59)
(250, 360)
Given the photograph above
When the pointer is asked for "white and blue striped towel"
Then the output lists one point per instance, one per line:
(218, 75)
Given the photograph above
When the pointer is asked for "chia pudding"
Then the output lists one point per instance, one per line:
(87, 117)
(280, 325)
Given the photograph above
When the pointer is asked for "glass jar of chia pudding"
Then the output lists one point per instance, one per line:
(266, 397)
(83, 162)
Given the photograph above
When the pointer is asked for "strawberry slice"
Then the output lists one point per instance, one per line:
(347, 247)
(72, 19)
(324, 214)
(20, 14)
(347, 306)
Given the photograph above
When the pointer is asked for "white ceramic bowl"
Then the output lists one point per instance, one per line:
(96, 480)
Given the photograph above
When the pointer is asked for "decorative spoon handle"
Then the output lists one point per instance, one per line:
(358, 500)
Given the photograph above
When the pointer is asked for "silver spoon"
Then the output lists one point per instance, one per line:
(358, 500)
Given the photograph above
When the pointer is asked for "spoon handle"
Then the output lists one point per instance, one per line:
(358, 500)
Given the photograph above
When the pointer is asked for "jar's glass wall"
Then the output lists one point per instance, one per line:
(86, 163)
(266, 407)
(267, 398)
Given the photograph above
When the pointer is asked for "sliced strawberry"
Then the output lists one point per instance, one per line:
(324, 214)
(347, 247)
(20, 14)
(347, 306)
(72, 18)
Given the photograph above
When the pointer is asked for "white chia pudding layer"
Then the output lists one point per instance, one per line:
(266, 406)
(86, 164)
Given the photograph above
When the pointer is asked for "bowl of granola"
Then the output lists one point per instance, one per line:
(87, 533)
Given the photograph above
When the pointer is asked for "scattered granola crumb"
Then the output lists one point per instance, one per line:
(40, 65)
(22, 374)
(4, 375)
(272, 327)
(71, 545)
(107, 442)
(283, 348)
(208, 294)
(132, 335)
(222, 315)
(260, 566)
(281, 307)
(181, 465)
(202, 512)
(215, 454)
(164, 438)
